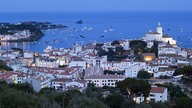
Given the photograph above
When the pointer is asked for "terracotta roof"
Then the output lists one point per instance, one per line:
(167, 36)
(157, 90)
(148, 54)
(153, 32)
(6, 75)
(60, 80)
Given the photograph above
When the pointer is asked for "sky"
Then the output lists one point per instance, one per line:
(94, 5)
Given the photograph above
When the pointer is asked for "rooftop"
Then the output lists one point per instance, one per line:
(157, 90)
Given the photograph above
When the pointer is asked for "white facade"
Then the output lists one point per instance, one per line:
(78, 64)
(152, 68)
(132, 70)
(95, 75)
(164, 72)
(98, 61)
(16, 36)
(76, 48)
(28, 55)
(38, 82)
(166, 49)
(158, 94)
(47, 62)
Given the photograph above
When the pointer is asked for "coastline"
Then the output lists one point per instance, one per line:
(30, 39)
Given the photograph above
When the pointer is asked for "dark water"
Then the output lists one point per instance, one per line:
(102, 26)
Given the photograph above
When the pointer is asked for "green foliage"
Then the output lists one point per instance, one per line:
(25, 87)
(143, 105)
(115, 43)
(175, 91)
(160, 104)
(154, 48)
(183, 102)
(186, 71)
(84, 102)
(4, 67)
(64, 98)
(138, 46)
(115, 100)
(112, 55)
(164, 77)
(12, 96)
(143, 74)
(17, 49)
(134, 86)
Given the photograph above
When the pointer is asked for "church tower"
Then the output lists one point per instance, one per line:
(0, 45)
(160, 29)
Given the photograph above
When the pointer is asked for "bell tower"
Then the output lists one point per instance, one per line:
(160, 29)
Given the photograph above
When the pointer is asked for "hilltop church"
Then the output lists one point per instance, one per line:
(158, 36)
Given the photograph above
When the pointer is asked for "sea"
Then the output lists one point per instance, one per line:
(101, 27)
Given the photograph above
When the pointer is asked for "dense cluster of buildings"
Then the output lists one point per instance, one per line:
(65, 69)
(18, 35)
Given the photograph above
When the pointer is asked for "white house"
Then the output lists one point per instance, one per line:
(58, 83)
(46, 62)
(165, 48)
(164, 72)
(132, 70)
(168, 39)
(38, 82)
(158, 94)
(77, 62)
(28, 54)
(75, 85)
(151, 68)
(98, 61)
(96, 75)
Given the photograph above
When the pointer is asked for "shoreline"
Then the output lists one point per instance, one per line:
(30, 39)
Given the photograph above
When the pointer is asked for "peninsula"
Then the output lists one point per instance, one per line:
(25, 31)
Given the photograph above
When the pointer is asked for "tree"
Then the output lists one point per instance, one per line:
(84, 102)
(138, 46)
(175, 91)
(114, 100)
(133, 87)
(143, 74)
(115, 43)
(160, 104)
(143, 105)
(183, 102)
(154, 48)
(66, 97)
(186, 71)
